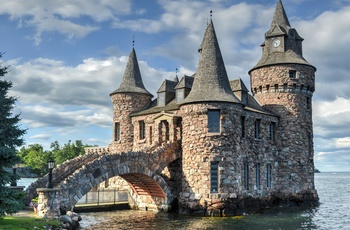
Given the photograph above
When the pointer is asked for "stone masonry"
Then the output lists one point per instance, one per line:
(205, 139)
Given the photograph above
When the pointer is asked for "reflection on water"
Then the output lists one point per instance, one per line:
(296, 219)
(332, 213)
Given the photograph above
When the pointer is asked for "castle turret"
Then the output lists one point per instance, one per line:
(208, 130)
(131, 96)
(284, 82)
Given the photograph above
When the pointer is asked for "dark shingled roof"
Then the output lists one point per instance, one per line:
(280, 26)
(185, 82)
(238, 85)
(167, 86)
(280, 17)
(132, 80)
(210, 82)
(154, 108)
(254, 106)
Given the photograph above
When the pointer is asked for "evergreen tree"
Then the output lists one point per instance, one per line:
(10, 138)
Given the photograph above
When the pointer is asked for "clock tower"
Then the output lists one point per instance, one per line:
(284, 82)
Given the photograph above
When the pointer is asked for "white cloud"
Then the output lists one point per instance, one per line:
(43, 136)
(62, 16)
(343, 142)
(327, 47)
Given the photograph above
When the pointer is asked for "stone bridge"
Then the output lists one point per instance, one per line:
(142, 170)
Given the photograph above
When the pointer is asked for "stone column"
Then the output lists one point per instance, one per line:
(49, 200)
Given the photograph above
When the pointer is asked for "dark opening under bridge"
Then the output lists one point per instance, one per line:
(142, 170)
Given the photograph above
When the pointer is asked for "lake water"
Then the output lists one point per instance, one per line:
(332, 213)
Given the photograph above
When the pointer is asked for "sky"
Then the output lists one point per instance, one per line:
(67, 56)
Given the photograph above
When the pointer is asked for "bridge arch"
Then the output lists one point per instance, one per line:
(140, 169)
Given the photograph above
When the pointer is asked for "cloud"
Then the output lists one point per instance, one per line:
(63, 16)
(328, 49)
(43, 136)
(331, 118)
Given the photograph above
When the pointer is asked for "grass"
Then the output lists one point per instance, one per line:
(22, 223)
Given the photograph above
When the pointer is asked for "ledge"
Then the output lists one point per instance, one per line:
(48, 189)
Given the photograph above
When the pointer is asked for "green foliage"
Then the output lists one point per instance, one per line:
(22, 223)
(10, 138)
(36, 157)
(11, 201)
(68, 151)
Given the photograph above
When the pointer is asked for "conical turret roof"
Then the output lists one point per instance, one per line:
(280, 17)
(210, 82)
(132, 80)
(292, 42)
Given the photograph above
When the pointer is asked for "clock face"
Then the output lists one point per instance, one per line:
(276, 42)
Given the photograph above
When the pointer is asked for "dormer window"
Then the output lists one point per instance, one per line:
(180, 95)
(161, 99)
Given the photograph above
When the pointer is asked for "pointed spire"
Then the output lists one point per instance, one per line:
(132, 80)
(280, 17)
(211, 82)
(290, 50)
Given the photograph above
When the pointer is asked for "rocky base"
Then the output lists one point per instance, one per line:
(240, 205)
(70, 220)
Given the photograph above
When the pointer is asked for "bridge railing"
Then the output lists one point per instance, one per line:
(104, 197)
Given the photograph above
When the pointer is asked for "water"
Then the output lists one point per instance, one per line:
(25, 182)
(333, 213)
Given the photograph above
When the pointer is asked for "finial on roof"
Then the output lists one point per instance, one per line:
(176, 79)
(133, 40)
(211, 14)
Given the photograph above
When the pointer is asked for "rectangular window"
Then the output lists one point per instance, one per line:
(257, 175)
(272, 131)
(117, 131)
(213, 121)
(276, 87)
(268, 175)
(142, 130)
(309, 144)
(246, 175)
(292, 74)
(214, 177)
(257, 128)
(308, 102)
(243, 126)
(150, 135)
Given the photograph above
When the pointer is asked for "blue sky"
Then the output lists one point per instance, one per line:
(67, 56)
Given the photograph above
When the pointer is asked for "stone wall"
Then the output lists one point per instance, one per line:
(123, 105)
(291, 99)
(229, 149)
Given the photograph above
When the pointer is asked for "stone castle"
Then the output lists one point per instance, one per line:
(247, 150)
